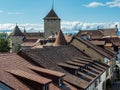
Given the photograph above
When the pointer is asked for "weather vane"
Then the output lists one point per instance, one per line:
(53, 4)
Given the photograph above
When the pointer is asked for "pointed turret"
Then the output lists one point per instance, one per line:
(17, 37)
(51, 15)
(17, 32)
(52, 23)
(60, 40)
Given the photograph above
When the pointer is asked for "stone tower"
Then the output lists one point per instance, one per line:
(51, 24)
(17, 38)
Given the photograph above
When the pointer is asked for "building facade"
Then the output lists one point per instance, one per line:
(17, 38)
(51, 24)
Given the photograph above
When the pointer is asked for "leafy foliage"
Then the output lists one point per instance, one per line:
(4, 43)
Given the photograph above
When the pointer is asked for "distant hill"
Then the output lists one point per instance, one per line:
(65, 31)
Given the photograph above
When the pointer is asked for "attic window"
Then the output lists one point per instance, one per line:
(60, 82)
(86, 66)
(99, 79)
(96, 83)
(84, 37)
(83, 50)
(46, 87)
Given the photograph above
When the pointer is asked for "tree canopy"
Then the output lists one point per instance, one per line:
(4, 42)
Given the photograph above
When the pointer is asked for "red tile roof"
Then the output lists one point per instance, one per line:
(57, 58)
(15, 72)
(46, 71)
(99, 33)
(94, 47)
(60, 40)
(30, 76)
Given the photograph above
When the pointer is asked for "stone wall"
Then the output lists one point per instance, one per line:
(15, 42)
(51, 27)
(89, 51)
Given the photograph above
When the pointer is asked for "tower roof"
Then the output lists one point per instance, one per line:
(60, 40)
(52, 15)
(17, 32)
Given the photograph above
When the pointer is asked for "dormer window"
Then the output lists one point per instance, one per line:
(84, 37)
(46, 87)
(60, 82)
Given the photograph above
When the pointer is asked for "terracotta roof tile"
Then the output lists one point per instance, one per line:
(56, 58)
(46, 71)
(34, 35)
(96, 48)
(99, 33)
(96, 42)
(30, 76)
(60, 40)
(15, 72)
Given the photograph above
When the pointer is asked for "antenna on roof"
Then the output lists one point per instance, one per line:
(116, 26)
(53, 4)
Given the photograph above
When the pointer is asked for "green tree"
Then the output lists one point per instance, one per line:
(4, 42)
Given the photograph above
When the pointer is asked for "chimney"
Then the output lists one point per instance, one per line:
(116, 26)
(98, 27)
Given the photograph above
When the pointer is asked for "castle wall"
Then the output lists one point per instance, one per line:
(51, 27)
(15, 42)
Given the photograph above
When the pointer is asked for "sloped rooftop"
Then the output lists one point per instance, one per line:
(60, 40)
(18, 73)
(17, 32)
(52, 15)
(60, 58)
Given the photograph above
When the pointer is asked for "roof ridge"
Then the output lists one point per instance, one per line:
(17, 32)
(94, 46)
(52, 14)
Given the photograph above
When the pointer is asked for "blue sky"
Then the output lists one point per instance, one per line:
(33, 11)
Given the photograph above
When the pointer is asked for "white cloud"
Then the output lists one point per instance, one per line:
(94, 4)
(66, 26)
(15, 13)
(113, 3)
(29, 27)
(75, 26)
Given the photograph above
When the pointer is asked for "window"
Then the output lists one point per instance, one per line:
(46, 87)
(84, 37)
(99, 79)
(107, 72)
(4, 87)
(83, 50)
(96, 83)
(60, 82)
(106, 60)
